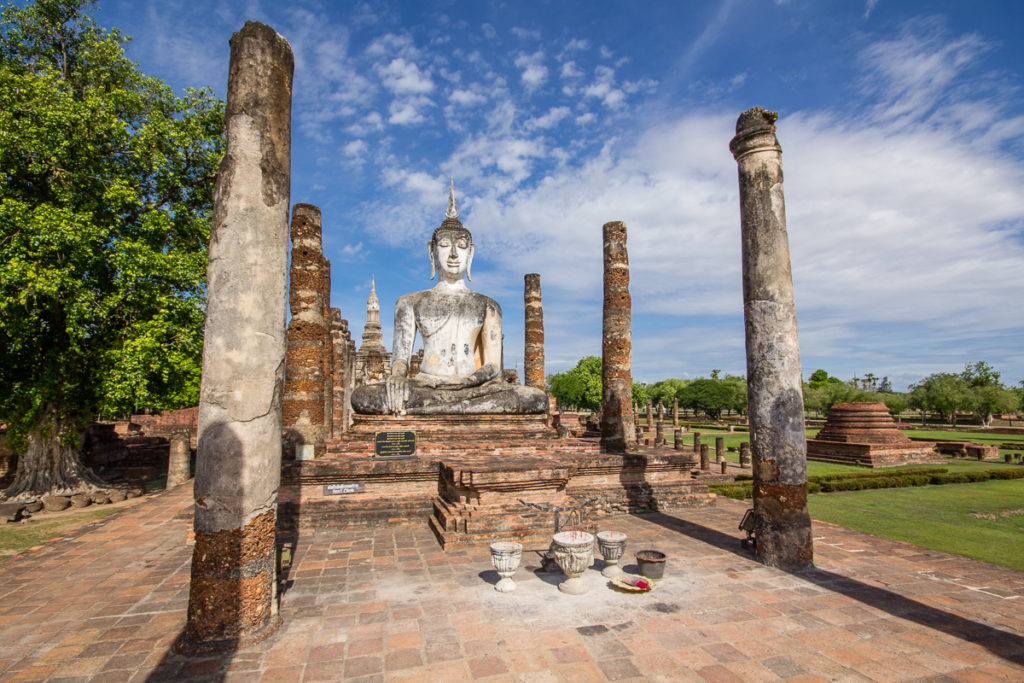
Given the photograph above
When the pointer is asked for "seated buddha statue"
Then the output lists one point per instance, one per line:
(461, 370)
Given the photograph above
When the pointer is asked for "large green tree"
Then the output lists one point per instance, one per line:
(580, 387)
(941, 392)
(106, 182)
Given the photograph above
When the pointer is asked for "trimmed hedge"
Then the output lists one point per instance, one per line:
(859, 481)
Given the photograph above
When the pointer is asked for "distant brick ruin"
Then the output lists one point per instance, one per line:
(864, 433)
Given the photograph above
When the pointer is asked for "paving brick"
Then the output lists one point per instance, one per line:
(430, 616)
(488, 665)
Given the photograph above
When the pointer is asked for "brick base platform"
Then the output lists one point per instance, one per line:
(471, 475)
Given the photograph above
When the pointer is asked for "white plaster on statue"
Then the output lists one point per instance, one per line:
(461, 332)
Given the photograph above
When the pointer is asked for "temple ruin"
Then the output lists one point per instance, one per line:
(865, 434)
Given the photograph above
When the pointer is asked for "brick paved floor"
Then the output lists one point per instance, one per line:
(105, 603)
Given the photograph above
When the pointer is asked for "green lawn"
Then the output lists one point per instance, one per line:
(972, 436)
(15, 537)
(984, 520)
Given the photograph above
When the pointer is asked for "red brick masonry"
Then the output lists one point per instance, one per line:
(471, 475)
(864, 433)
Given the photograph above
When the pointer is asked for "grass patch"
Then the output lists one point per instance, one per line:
(15, 537)
(984, 520)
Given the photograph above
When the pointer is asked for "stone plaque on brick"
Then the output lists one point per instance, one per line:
(340, 489)
(394, 445)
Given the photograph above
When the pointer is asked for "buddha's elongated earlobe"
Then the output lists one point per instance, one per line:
(469, 262)
(430, 253)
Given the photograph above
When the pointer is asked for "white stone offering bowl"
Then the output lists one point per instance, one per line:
(505, 556)
(611, 544)
(574, 552)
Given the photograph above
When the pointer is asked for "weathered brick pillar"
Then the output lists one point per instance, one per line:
(744, 454)
(650, 414)
(617, 427)
(724, 464)
(705, 460)
(533, 354)
(675, 412)
(677, 439)
(327, 355)
(340, 339)
(179, 460)
(719, 448)
(304, 398)
(774, 396)
(661, 411)
(659, 434)
(696, 442)
(238, 469)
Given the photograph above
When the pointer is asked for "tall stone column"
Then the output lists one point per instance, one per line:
(533, 355)
(774, 396)
(238, 468)
(304, 382)
(675, 412)
(617, 428)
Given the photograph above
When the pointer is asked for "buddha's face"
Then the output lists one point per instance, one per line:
(452, 253)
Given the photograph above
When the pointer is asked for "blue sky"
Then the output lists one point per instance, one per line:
(901, 124)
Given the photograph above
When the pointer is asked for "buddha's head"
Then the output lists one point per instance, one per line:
(451, 246)
(451, 251)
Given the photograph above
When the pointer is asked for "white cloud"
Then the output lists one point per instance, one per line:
(525, 34)
(913, 72)
(466, 98)
(391, 44)
(902, 242)
(550, 119)
(404, 78)
(570, 70)
(372, 122)
(408, 111)
(355, 149)
(350, 251)
(603, 88)
(534, 72)
(574, 45)
(708, 37)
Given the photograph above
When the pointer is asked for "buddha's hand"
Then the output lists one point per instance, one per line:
(396, 393)
(483, 374)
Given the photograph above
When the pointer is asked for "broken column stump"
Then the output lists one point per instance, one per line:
(782, 524)
(179, 459)
(231, 595)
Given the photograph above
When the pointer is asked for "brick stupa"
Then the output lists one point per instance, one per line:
(865, 434)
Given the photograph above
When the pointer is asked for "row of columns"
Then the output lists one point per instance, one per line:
(231, 596)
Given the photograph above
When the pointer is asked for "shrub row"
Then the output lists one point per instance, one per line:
(861, 481)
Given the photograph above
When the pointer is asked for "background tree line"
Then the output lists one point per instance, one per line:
(580, 389)
(976, 390)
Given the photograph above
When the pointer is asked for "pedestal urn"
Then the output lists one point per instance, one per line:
(611, 544)
(574, 552)
(505, 556)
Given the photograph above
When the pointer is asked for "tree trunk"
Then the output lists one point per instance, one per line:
(51, 467)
